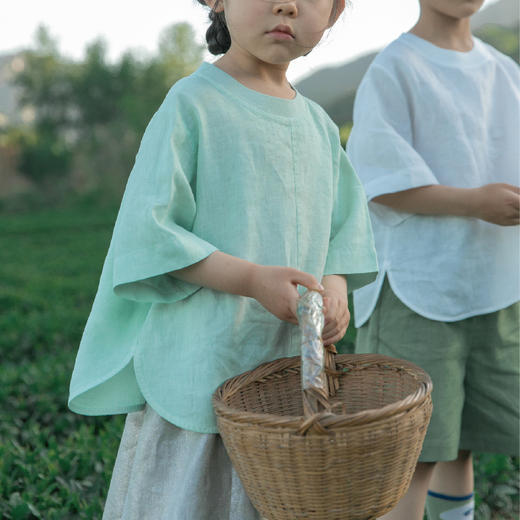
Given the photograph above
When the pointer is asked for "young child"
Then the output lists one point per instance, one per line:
(240, 192)
(435, 143)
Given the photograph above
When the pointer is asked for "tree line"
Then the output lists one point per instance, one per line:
(90, 114)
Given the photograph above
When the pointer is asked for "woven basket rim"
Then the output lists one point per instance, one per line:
(326, 419)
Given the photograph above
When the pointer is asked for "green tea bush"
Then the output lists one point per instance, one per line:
(53, 464)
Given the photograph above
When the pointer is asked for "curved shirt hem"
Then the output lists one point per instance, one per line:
(99, 382)
(148, 396)
(426, 314)
(118, 410)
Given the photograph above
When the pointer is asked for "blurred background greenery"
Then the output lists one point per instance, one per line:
(87, 116)
(63, 170)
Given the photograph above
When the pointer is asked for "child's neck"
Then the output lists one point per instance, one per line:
(255, 74)
(444, 31)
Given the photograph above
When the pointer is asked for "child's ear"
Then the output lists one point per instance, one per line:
(338, 9)
(218, 5)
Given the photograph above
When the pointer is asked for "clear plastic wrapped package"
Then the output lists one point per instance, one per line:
(311, 320)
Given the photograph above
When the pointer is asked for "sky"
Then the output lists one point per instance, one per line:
(366, 25)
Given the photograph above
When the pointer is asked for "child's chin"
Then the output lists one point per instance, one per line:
(469, 8)
(277, 60)
(278, 56)
(469, 11)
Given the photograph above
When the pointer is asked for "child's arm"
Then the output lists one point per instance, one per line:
(273, 287)
(495, 203)
(335, 302)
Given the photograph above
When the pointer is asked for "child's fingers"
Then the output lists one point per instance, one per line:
(513, 188)
(335, 338)
(330, 308)
(331, 328)
(325, 309)
(334, 330)
(334, 326)
(306, 280)
(330, 334)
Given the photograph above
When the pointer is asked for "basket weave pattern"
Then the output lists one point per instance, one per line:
(351, 459)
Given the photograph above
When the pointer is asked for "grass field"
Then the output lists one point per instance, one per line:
(55, 464)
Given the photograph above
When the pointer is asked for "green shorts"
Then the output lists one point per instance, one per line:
(474, 366)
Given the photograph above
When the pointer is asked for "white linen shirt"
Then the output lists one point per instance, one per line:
(425, 115)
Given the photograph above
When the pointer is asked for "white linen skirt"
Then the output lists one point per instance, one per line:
(165, 473)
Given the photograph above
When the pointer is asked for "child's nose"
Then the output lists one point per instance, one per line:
(285, 8)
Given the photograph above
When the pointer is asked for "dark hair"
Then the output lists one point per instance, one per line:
(217, 35)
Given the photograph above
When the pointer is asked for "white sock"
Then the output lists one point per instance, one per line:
(447, 507)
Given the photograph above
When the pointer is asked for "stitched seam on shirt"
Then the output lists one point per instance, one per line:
(295, 201)
(295, 208)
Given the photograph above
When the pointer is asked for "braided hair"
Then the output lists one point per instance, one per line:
(217, 35)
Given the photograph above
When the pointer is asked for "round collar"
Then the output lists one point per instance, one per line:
(279, 106)
(447, 57)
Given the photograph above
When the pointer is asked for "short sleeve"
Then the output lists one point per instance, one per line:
(152, 235)
(381, 142)
(351, 247)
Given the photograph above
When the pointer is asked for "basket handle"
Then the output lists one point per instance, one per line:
(318, 365)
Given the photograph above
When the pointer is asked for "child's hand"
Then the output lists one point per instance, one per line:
(275, 288)
(498, 204)
(337, 315)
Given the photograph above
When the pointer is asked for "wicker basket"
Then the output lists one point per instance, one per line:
(353, 460)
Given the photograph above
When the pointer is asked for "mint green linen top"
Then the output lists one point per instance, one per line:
(220, 167)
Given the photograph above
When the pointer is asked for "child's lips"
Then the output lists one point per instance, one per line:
(282, 32)
(279, 35)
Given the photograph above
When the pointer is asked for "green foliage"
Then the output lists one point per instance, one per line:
(43, 155)
(53, 464)
(45, 82)
(344, 133)
(497, 487)
(178, 55)
(90, 114)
